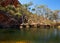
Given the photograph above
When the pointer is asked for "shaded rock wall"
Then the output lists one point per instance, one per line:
(6, 20)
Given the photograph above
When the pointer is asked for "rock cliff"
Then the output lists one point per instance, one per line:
(9, 2)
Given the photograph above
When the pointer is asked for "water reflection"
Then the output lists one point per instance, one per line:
(55, 32)
(34, 35)
(45, 34)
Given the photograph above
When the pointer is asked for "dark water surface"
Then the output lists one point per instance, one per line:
(35, 35)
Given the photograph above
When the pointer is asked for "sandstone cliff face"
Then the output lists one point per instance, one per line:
(9, 2)
(7, 20)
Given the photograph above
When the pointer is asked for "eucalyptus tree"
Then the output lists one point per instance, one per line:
(42, 10)
(56, 14)
(27, 5)
(48, 13)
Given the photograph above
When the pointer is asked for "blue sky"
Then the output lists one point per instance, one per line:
(52, 4)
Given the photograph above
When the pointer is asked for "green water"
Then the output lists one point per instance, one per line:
(35, 35)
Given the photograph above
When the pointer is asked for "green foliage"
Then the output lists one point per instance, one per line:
(43, 10)
(27, 5)
(2, 8)
(33, 9)
(12, 10)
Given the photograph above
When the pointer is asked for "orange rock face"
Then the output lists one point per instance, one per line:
(7, 2)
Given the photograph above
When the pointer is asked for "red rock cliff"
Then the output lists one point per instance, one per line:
(7, 2)
(6, 20)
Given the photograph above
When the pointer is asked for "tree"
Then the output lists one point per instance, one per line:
(27, 5)
(42, 10)
(56, 14)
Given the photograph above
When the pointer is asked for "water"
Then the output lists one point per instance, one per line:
(35, 35)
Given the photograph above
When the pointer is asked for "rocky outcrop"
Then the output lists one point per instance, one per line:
(6, 20)
(9, 2)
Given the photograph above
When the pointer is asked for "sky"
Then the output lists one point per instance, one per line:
(52, 4)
